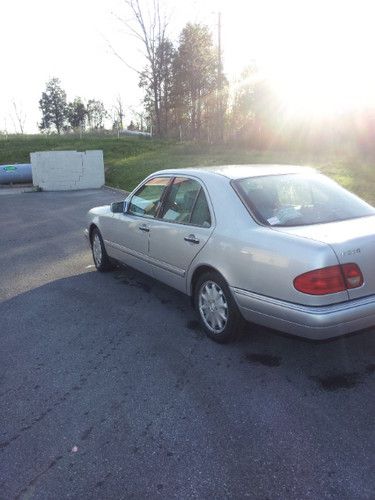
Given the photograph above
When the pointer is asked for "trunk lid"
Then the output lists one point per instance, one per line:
(352, 241)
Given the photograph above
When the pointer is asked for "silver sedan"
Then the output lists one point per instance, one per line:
(281, 246)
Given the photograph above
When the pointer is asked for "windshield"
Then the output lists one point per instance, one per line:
(299, 200)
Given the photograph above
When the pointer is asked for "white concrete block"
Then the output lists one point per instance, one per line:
(65, 170)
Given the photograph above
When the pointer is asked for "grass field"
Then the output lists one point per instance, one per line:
(129, 160)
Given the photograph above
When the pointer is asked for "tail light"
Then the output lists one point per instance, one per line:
(330, 279)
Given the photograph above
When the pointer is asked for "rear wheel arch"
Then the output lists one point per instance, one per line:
(202, 269)
(216, 307)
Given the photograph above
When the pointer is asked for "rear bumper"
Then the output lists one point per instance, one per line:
(322, 322)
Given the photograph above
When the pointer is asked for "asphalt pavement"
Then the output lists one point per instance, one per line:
(110, 389)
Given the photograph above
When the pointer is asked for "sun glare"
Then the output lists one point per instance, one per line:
(318, 55)
(324, 91)
(324, 82)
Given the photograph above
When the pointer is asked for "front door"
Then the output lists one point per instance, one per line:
(130, 232)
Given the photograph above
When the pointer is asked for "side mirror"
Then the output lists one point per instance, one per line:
(117, 207)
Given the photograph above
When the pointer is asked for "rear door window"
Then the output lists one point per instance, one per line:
(201, 213)
(186, 203)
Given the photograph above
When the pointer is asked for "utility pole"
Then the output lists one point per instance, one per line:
(219, 69)
(220, 82)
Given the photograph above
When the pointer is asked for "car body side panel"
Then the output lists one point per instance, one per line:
(127, 242)
(101, 217)
(266, 263)
(122, 238)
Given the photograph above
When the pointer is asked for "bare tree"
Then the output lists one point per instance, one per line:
(118, 114)
(150, 30)
(140, 118)
(20, 116)
(5, 129)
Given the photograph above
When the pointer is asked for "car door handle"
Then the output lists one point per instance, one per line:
(191, 238)
(144, 227)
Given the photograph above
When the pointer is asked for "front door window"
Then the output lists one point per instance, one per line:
(146, 200)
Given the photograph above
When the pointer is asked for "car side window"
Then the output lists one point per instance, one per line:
(201, 213)
(146, 200)
(186, 203)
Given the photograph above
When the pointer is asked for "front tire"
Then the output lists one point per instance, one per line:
(99, 254)
(218, 312)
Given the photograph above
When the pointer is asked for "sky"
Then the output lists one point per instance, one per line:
(319, 54)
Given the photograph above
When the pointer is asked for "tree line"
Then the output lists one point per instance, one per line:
(60, 116)
(181, 97)
(186, 94)
(188, 97)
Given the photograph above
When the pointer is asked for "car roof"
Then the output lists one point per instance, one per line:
(241, 171)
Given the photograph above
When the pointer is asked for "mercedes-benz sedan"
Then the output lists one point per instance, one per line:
(280, 246)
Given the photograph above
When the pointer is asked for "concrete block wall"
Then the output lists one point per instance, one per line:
(67, 170)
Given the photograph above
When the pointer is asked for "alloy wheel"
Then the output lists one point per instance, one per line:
(213, 307)
(97, 250)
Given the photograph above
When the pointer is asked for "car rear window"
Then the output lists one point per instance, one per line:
(299, 199)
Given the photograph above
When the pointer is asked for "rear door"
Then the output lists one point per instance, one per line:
(181, 230)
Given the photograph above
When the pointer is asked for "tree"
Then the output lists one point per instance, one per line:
(185, 89)
(118, 115)
(96, 114)
(53, 107)
(160, 101)
(195, 81)
(76, 114)
(241, 118)
(150, 30)
(140, 119)
(268, 117)
(255, 116)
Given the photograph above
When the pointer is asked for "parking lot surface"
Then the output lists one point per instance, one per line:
(110, 389)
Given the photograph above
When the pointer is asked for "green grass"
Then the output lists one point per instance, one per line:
(129, 160)
(353, 171)
(17, 149)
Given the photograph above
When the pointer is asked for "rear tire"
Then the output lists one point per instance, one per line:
(99, 254)
(217, 310)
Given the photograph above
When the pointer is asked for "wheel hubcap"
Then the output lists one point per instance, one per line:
(213, 307)
(97, 250)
